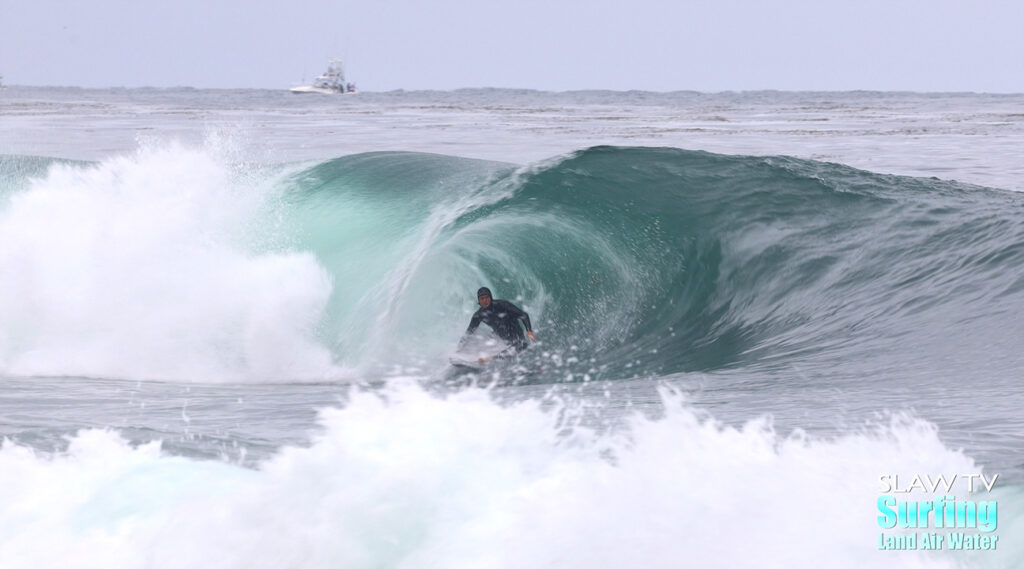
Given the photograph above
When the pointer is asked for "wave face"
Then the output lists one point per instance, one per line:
(179, 263)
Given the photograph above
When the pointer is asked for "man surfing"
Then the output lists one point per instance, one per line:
(504, 318)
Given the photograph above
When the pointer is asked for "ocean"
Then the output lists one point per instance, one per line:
(774, 329)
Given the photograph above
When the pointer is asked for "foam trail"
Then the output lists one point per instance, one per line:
(404, 479)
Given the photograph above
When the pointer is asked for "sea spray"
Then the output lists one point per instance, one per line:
(141, 267)
(403, 478)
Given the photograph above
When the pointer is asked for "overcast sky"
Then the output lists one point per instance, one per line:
(703, 45)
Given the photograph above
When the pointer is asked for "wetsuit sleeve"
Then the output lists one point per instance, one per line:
(519, 314)
(473, 323)
(472, 328)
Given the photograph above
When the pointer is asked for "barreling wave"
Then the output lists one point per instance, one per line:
(631, 262)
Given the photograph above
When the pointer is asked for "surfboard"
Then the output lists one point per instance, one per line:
(474, 364)
(481, 355)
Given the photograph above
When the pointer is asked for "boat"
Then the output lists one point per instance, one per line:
(329, 82)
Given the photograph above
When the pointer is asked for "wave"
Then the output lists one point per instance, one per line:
(402, 478)
(184, 263)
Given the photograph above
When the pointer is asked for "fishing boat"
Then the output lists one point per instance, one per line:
(329, 82)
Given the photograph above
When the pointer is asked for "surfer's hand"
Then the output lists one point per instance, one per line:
(483, 360)
(531, 336)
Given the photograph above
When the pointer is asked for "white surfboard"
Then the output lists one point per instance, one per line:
(477, 354)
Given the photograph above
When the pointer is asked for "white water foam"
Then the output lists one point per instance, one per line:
(403, 479)
(144, 266)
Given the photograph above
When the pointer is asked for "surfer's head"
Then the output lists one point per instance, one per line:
(483, 296)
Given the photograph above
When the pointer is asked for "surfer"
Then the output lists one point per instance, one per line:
(503, 317)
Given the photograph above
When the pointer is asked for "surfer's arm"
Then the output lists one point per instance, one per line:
(523, 317)
(473, 324)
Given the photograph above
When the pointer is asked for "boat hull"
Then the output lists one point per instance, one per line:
(321, 90)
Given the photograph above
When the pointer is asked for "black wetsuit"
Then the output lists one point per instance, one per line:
(503, 317)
